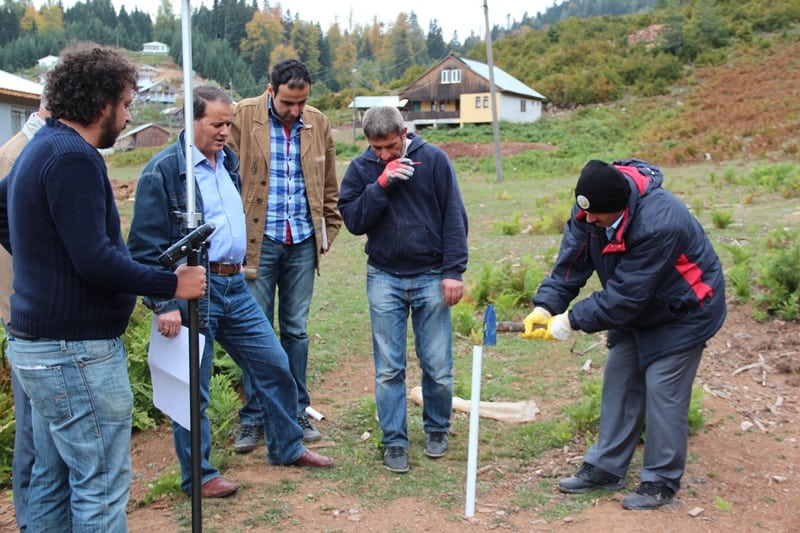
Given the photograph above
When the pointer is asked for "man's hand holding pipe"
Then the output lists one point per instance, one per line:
(538, 317)
(191, 282)
(558, 327)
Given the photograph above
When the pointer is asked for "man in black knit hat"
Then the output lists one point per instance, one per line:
(662, 298)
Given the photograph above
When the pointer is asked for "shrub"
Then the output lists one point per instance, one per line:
(137, 343)
(779, 277)
(511, 227)
(721, 219)
(7, 420)
(223, 405)
(347, 150)
(461, 315)
(583, 417)
(516, 283)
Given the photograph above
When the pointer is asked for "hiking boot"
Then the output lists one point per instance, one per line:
(248, 438)
(590, 478)
(649, 495)
(310, 433)
(436, 444)
(395, 458)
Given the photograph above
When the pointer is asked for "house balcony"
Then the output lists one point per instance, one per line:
(425, 119)
(431, 116)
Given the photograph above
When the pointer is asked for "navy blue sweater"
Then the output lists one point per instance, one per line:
(417, 225)
(73, 276)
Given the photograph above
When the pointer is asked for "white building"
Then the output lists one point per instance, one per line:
(46, 62)
(18, 99)
(155, 47)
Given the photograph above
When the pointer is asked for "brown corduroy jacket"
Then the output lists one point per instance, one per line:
(250, 139)
(8, 154)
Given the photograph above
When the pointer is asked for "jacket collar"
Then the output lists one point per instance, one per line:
(231, 162)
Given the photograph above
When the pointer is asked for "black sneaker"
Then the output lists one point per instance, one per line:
(248, 438)
(590, 478)
(649, 495)
(395, 458)
(436, 444)
(310, 433)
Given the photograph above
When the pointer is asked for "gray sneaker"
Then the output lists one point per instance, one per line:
(649, 495)
(395, 458)
(248, 438)
(436, 444)
(590, 478)
(310, 433)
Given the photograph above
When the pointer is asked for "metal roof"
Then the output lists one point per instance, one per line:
(136, 130)
(17, 86)
(502, 79)
(366, 102)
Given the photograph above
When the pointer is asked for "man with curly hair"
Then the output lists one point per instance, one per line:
(75, 286)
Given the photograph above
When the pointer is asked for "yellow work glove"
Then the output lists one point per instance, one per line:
(538, 317)
(558, 327)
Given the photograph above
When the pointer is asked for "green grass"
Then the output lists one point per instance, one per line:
(513, 370)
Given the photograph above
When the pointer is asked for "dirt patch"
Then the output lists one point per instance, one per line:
(742, 471)
(456, 150)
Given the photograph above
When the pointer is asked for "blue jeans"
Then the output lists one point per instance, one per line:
(240, 327)
(290, 269)
(391, 298)
(22, 462)
(82, 405)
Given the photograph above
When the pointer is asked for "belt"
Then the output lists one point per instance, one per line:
(224, 269)
(20, 334)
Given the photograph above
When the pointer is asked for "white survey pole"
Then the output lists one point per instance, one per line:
(191, 219)
(188, 111)
(474, 415)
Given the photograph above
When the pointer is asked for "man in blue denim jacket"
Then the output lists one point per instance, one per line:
(228, 313)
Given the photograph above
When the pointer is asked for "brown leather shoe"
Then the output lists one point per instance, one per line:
(218, 488)
(315, 460)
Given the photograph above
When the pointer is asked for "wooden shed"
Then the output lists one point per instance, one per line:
(142, 136)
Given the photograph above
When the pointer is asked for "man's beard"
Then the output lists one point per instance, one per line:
(108, 131)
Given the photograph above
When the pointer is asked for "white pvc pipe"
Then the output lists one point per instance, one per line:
(472, 453)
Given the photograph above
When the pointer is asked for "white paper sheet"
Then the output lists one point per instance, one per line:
(169, 371)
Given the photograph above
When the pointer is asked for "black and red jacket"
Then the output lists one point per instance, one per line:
(662, 280)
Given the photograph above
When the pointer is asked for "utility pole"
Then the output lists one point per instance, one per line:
(355, 108)
(498, 164)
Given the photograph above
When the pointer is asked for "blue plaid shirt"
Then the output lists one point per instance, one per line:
(287, 206)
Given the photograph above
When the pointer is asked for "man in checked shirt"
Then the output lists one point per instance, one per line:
(290, 196)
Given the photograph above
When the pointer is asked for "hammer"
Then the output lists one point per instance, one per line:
(512, 327)
(491, 326)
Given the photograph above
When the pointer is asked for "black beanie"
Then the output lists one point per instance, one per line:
(601, 188)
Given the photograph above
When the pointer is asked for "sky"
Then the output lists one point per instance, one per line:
(462, 16)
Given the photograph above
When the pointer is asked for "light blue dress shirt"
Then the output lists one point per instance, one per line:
(222, 206)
